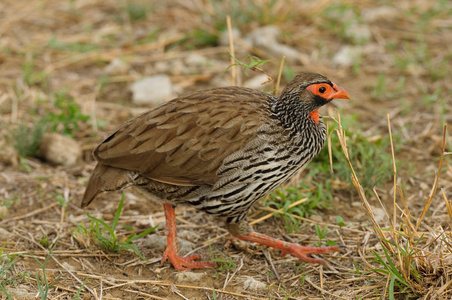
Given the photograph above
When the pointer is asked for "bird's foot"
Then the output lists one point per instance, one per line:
(302, 252)
(185, 263)
(296, 250)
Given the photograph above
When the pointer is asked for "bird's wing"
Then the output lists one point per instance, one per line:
(184, 141)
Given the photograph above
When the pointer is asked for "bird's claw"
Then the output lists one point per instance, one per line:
(185, 263)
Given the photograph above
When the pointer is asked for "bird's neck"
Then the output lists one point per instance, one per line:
(295, 117)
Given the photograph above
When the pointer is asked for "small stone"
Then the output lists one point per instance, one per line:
(381, 13)
(317, 218)
(196, 60)
(252, 284)
(8, 155)
(177, 67)
(58, 149)
(346, 56)
(188, 235)
(379, 215)
(224, 36)
(359, 33)
(4, 234)
(154, 241)
(256, 82)
(152, 90)
(68, 266)
(117, 67)
(266, 38)
(21, 292)
(189, 277)
(3, 213)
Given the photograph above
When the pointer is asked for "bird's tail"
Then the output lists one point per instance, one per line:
(104, 178)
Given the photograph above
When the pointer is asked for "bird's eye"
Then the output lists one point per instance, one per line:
(322, 90)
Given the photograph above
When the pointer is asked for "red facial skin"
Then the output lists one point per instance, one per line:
(327, 92)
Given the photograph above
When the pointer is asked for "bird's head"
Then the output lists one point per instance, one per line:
(310, 91)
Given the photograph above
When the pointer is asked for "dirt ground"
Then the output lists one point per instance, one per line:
(393, 57)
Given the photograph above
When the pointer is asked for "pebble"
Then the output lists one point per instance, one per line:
(21, 292)
(359, 33)
(379, 215)
(224, 36)
(346, 56)
(58, 149)
(256, 82)
(117, 67)
(381, 13)
(4, 234)
(252, 284)
(152, 90)
(196, 60)
(8, 155)
(266, 39)
(189, 277)
(154, 241)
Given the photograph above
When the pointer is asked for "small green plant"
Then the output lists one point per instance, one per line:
(27, 138)
(77, 294)
(321, 232)
(43, 284)
(8, 202)
(198, 38)
(70, 47)
(340, 221)
(136, 10)
(105, 235)
(225, 264)
(44, 241)
(30, 75)
(380, 87)
(396, 278)
(69, 115)
(62, 201)
(340, 18)
(250, 62)
(7, 272)
(282, 198)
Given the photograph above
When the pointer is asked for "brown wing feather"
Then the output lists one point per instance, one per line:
(184, 141)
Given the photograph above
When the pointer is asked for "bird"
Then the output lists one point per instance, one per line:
(219, 151)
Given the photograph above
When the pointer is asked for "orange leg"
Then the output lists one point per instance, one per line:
(289, 248)
(172, 249)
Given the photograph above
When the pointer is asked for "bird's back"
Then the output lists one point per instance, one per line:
(182, 142)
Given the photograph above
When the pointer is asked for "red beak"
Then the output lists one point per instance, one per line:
(340, 93)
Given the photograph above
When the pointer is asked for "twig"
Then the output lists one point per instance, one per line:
(35, 212)
(231, 49)
(278, 81)
(435, 184)
(66, 269)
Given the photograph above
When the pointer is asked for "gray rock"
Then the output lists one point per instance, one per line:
(117, 67)
(4, 234)
(58, 149)
(8, 155)
(21, 292)
(152, 90)
(158, 241)
(252, 284)
(196, 60)
(256, 82)
(224, 36)
(373, 14)
(266, 38)
(189, 277)
(346, 56)
(359, 33)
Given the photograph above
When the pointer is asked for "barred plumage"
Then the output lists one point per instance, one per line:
(218, 150)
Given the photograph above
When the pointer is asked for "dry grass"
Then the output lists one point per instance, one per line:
(397, 234)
